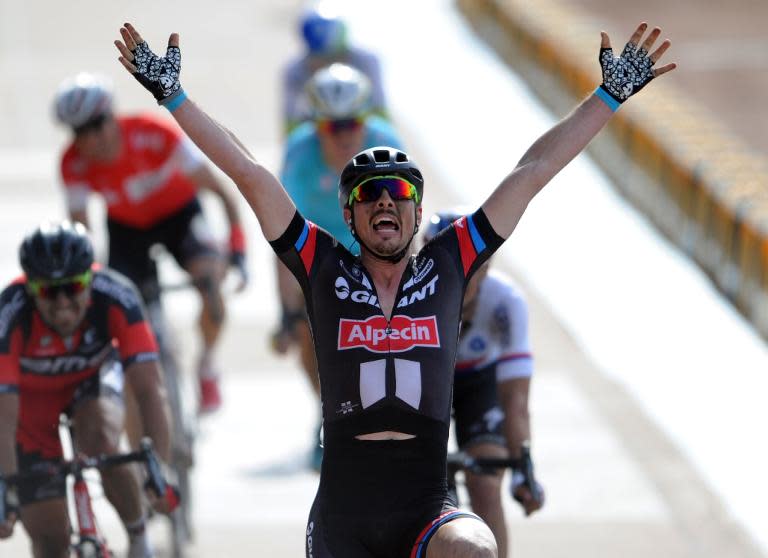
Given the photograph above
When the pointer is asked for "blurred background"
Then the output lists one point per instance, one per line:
(643, 261)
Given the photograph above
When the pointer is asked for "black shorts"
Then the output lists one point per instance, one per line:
(377, 499)
(107, 383)
(184, 234)
(478, 418)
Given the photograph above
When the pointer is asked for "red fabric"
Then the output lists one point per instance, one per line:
(237, 239)
(308, 250)
(466, 246)
(137, 193)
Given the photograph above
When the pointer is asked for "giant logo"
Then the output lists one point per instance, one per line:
(402, 333)
(342, 288)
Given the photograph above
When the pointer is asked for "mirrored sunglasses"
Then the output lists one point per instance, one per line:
(371, 189)
(337, 126)
(69, 286)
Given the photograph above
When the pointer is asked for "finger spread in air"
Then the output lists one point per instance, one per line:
(637, 35)
(135, 34)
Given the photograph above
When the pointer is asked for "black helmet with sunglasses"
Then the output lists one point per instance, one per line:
(56, 251)
(378, 161)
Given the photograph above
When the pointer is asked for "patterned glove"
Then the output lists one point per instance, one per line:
(626, 75)
(160, 76)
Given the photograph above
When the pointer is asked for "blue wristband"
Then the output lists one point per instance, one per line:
(604, 96)
(174, 101)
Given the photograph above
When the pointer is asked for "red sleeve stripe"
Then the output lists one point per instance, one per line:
(306, 244)
(514, 356)
(466, 246)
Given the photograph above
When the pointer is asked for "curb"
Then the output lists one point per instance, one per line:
(701, 186)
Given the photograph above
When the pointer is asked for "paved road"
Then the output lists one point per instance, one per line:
(616, 485)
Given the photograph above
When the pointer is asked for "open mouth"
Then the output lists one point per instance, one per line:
(385, 223)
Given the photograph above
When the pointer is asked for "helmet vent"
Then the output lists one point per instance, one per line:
(401, 157)
(362, 159)
(381, 155)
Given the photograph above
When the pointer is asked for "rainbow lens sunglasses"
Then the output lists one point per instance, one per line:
(333, 127)
(370, 189)
(70, 286)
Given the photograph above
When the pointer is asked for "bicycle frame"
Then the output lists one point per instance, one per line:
(88, 542)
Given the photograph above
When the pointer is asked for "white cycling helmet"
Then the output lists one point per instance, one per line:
(83, 97)
(338, 91)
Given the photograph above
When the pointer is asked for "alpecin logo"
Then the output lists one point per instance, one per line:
(401, 334)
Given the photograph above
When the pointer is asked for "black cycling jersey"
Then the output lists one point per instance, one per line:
(379, 374)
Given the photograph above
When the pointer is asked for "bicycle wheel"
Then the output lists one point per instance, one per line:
(91, 548)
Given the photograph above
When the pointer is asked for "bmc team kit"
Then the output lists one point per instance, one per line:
(87, 539)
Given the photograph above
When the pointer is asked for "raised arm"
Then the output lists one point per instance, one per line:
(263, 192)
(622, 77)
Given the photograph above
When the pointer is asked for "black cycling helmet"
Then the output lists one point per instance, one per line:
(378, 161)
(55, 251)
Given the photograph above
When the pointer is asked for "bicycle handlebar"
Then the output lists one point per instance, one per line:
(461, 461)
(155, 479)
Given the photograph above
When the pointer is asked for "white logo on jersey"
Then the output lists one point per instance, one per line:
(342, 288)
(419, 274)
(427, 290)
(343, 293)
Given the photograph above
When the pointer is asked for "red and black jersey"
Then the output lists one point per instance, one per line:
(380, 374)
(46, 369)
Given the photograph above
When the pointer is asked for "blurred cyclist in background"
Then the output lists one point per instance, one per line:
(315, 154)
(149, 175)
(491, 385)
(325, 37)
(71, 336)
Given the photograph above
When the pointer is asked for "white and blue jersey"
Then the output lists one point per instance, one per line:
(313, 185)
(497, 334)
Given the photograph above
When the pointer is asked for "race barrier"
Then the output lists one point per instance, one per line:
(701, 186)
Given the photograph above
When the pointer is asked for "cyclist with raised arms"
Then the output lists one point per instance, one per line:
(385, 324)
(71, 335)
(326, 42)
(490, 390)
(315, 155)
(149, 175)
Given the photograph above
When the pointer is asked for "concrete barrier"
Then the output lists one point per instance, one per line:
(701, 186)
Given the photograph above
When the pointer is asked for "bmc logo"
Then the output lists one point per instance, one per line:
(401, 334)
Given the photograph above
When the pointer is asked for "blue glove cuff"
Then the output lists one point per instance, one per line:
(606, 97)
(174, 101)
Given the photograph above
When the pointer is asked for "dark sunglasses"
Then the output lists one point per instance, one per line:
(69, 286)
(92, 125)
(371, 188)
(337, 126)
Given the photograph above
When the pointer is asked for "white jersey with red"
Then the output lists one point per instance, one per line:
(497, 333)
(146, 183)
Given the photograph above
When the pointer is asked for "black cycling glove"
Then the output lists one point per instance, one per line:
(159, 76)
(522, 475)
(626, 75)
